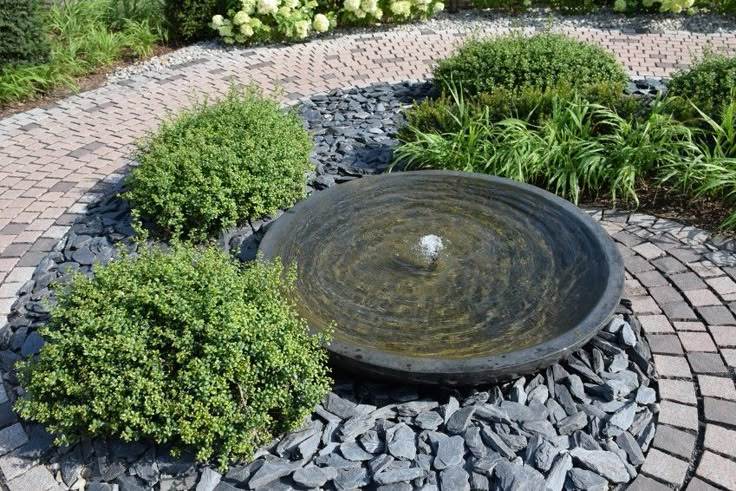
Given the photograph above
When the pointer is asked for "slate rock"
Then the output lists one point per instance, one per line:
(492, 413)
(354, 452)
(479, 482)
(454, 478)
(351, 478)
(129, 483)
(629, 445)
(209, 479)
(460, 420)
(474, 442)
(401, 442)
(621, 420)
(558, 473)
(496, 443)
(573, 423)
(338, 406)
(32, 344)
(646, 396)
(371, 442)
(602, 462)
(398, 475)
(357, 425)
(584, 480)
(511, 476)
(312, 476)
(270, 472)
(380, 463)
(429, 420)
(450, 451)
(449, 409)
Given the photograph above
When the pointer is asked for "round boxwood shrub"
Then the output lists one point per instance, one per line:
(181, 347)
(218, 164)
(709, 84)
(543, 60)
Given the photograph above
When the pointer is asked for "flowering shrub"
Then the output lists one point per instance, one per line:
(673, 6)
(259, 20)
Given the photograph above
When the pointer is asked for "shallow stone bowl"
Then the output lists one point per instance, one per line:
(445, 277)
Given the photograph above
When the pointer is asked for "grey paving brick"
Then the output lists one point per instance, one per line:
(12, 437)
(720, 411)
(674, 441)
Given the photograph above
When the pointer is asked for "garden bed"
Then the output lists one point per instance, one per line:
(600, 403)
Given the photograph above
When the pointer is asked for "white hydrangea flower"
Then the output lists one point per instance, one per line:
(217, 20)
(246, 30)
(619, 5)
(284, 11)
(352, 5)
(241, 18)
(378, 14)
(292, 4)
(249, 6)
(369, 6)
(302, 28)
(438, 7)
(226, 30)
(402, 8)
(321, 23)
(267, 7)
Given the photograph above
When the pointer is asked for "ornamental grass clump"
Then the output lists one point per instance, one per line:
(219, 164)
(181, 347)
(542, 61)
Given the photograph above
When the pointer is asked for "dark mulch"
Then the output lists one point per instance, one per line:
(705, 213)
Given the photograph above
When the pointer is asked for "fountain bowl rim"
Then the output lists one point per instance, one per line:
(482, 369)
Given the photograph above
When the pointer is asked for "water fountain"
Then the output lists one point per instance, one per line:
(447, 278)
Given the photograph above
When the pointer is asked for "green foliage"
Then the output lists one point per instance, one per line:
(23, 38)
(578, 148)
(512, 62)
(528, 103)
(218, 164)
(190, 19)
(85, 36)
(713, 172)
(181, 347)
(710, 84)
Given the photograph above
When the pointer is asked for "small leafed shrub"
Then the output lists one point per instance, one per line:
(218, 164)
(178, 346)
(709, 84)
(513, 62)
(23, 37)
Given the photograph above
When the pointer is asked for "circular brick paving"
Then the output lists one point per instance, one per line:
(681, 279)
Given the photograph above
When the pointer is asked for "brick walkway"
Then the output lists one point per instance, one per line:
(682, 285)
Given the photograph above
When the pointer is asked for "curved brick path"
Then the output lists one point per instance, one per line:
(682, 284)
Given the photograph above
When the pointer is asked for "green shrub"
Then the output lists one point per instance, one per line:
(218, 164)
(542, 61)
(23, 37)
(709, 84)
(190, 19)
(180, 347)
